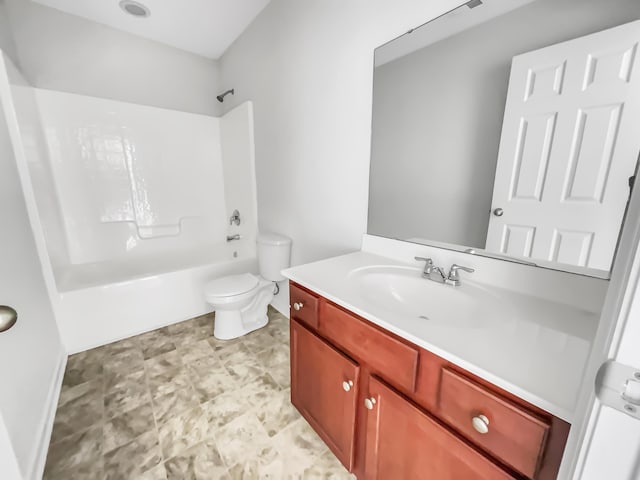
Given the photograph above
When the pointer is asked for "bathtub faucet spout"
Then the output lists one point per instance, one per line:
(233, 237)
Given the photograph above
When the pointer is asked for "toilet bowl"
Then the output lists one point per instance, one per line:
(241, 301)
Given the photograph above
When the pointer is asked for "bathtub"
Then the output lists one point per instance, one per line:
(103, 302)
(134, 205)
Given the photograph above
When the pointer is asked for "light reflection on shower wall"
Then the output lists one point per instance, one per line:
(133, 181)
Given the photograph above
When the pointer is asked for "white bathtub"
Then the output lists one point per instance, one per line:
(103, 302)
(133, 204)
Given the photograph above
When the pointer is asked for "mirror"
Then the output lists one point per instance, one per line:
(507, 128)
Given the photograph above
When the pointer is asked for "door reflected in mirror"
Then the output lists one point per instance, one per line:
(508, 127)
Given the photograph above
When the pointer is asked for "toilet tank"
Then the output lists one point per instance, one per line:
(274, 255)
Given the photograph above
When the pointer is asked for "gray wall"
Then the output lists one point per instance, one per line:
(308, 67)
(438, 117)
(62, 52)
(6, 39)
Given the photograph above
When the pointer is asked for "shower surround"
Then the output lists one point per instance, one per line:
(133, 203)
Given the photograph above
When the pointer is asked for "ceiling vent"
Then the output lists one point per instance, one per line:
(134, 8)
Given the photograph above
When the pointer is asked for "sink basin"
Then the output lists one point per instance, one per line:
(401, 291)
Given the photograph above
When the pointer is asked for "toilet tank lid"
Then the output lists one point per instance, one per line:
(230, 285)
(269, 238)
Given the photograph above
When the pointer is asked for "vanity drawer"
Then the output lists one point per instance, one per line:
(387, 356)
(513, 435)
(303, 306)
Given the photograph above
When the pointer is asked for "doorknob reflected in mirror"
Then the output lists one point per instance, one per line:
(8, 317)
(498, 212)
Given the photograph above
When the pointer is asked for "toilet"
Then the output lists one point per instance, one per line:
(241, 301)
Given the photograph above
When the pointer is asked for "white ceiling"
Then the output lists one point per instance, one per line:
(204, 27)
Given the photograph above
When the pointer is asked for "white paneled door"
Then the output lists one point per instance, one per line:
(569, 145)
(31, 354)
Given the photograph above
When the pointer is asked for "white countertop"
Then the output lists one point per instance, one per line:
(539, 355)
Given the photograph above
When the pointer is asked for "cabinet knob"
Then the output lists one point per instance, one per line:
(298, 305)
(369, 403)
(346, 385)
(480, 424)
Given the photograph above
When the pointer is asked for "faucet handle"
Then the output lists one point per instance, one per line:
(428, 267)
(423, 259)
(455, 268)
(454, 276)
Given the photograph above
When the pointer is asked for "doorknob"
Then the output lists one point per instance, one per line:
(8, 317)
(498, 212)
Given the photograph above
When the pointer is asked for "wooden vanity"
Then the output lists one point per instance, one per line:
(389, 409)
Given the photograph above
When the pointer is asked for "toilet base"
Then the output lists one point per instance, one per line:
(229, 325)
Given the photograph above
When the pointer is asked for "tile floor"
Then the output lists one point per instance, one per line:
(176, 403)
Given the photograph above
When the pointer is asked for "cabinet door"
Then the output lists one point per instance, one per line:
(324, 388)
(403, 442)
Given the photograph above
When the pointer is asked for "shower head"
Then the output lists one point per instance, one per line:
(222, 95)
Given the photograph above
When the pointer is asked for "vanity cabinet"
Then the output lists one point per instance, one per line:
(390, 409)
(404, 442)
(324, 387)
(513, 434)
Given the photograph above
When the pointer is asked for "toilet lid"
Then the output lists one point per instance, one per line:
(230, 285)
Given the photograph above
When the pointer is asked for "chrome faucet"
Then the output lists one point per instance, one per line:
(454, 277)
(436, 274)
(430, 269)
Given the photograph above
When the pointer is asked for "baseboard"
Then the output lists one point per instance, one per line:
(40, 457)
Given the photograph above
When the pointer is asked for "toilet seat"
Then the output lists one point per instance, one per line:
(231, 285)
(230, 288)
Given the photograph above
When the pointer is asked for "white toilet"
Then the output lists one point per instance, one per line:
(241, 301)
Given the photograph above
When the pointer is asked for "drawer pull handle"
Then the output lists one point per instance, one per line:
(298, 305)
(369, 403)
(346, 385)
(480, 424)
